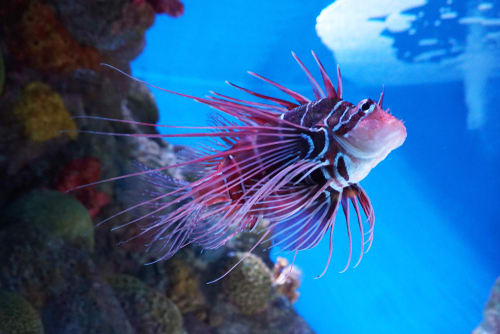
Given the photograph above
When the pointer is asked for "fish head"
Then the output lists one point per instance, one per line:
(375, 133)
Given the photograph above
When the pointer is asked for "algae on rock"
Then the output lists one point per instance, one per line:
(148, 310)
(248, 286)
(17, 316)
(54, 214)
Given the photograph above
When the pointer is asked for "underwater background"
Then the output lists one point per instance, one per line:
(434, 266)
(436, 249)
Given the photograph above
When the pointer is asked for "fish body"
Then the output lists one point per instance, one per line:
(293, 163)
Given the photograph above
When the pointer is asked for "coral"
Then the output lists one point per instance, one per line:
(246, 240)
(17, 316)
(128, 32)
(28, 267)
(491, 320)
(248, 286)
(79, 172)
(286, 278)
(54, 214)
(115, 27)
(43, 113)
(148, 310)
(85, 306)
(37, 37)
(60, 281)
(173, 8)
(184, 288)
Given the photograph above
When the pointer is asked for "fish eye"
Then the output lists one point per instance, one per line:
(365, 106)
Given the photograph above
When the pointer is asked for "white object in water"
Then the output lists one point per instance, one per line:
(403, 42)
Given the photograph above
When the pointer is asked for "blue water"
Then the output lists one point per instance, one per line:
(436, 252)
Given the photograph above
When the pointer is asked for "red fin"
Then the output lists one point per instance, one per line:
(298, 97)
(330, 91)
(354, 193)
(284, 103)
(306, 226)
(339, 83)
(318, 92)
(381, 99)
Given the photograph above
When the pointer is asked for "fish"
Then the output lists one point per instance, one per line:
(283, 166)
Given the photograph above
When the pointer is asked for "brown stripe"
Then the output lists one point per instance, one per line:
(342, 169)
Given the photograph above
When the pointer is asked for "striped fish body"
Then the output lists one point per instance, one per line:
(293, 163)
(323, 117)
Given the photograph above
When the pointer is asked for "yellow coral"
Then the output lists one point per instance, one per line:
(43, 113)
(185, 287)
(248, 286)
(148, 310)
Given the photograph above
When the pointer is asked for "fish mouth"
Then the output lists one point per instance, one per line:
(375, 136)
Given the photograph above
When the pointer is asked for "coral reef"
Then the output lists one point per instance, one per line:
(184, 289)
(89, 306)
(491, 317)
(76, 278)
(42, 41)
(43, 113)
(54, 213)
(286, 278)
(17, 316)
(148, 310)
(248, 286)
(79, 172)
(115, 28)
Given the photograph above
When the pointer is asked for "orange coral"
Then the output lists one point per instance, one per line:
(40, 40)
(43, 113)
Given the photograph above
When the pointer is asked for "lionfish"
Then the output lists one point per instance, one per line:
(292, 163)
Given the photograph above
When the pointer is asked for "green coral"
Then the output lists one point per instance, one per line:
(148, 310)
(17, 316)
(43, 113)
(248, 286)
(54, 213)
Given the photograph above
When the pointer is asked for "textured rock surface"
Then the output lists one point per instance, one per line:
(148, 310)
(53, 213)
(248, 286)
(17, 315)
(491, 315)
